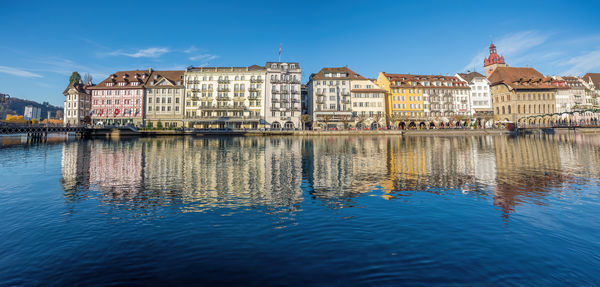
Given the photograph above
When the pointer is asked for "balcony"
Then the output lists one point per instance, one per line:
(345, 101)
(284, 100)
(295, 100)
(295, 92)
(204, 90)
(320, 93)
(294, 81)
(275, 81)
(275, 100)
(345, 93)
(223, 98)
(223, 81)
(223, 89)
(274, 92)
(285, 92)
(256, 80)
(254, 89)
(320, 101)
(239, 98)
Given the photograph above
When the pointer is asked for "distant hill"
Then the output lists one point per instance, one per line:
(16, 106)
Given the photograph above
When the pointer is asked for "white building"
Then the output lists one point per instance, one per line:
(480, 97)
(32, 113)
(225, 97)
(329, 97)
(164, 101)
(78, 104)
(283, 102)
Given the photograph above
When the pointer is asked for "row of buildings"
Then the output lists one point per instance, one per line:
(272, 97)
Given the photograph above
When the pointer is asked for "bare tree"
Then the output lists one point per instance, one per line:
(87, 79)
(327, 119)
(360, 119)
(305, 119)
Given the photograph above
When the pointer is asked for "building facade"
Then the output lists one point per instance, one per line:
(329, 98)
(520, 93)
(283, 99)
(368, 104)
(119, 99)
(77, 105)
(164, 101)
(480, 98)
(592, 82)
(32, 113)
(445, 98)
(403, 99)
(225, 97)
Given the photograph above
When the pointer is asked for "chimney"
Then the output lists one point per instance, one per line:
(149, 70)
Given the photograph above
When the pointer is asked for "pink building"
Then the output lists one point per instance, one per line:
(119, 99)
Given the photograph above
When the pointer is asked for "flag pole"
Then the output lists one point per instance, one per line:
(279, 53)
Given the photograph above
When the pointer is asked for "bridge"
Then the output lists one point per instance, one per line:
(38, 133)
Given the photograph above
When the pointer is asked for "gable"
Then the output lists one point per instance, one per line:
(164, 82)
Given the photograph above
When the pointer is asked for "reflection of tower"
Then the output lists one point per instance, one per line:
(75, 165)
(493, 61)
(526, 169)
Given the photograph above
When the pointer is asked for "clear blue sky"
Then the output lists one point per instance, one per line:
(42, 42)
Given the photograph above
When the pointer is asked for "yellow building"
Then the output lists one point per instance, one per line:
(403, 99)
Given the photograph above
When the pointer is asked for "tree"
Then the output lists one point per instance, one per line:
(327, 118)
(75, 78)
(87, 79)
(360, 119)
(305, 119)
(159, 125)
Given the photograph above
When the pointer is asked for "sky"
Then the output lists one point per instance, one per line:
(43, 42)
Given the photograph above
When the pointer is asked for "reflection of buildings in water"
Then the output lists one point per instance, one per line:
(527, 167)
(450, 162)
(427, 163)
(484, 160)
(75, 167)
(340, 167)
(116, 168)
(578, 153)
(242, 171)
(406, 163)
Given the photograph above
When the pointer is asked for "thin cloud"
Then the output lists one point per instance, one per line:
(143, 53)
(203, 57)
(582, 64)
(511, 46)
(19, 72)
(190, 50)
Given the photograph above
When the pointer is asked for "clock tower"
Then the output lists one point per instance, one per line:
(493, 61)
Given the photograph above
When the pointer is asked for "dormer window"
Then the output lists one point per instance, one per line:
(273, 66)
(134, 83)
(109, 84)
(293, 66)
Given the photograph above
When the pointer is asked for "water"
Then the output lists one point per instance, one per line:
(328, 211)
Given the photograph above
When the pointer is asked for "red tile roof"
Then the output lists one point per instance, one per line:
(127, 77)
(520, 78)
(351, 75)
(595, 77)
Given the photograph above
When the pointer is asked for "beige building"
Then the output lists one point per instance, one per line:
(164, 99)
(225, 97)
(78, 104)
(368, 104)
(521, 92)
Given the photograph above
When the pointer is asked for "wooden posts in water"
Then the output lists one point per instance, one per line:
(37, 136)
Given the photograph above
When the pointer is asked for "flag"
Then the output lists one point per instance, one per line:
(279, 49)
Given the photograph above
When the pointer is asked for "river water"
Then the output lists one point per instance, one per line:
(328, 211)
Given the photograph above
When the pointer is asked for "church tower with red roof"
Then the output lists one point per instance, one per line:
(493, 61)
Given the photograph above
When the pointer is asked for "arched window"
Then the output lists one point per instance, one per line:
(509, 110)
(503, 111)
(518, 109)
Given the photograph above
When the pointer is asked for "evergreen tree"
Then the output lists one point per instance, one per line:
(75, 78)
